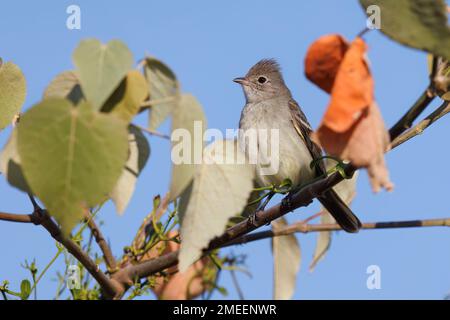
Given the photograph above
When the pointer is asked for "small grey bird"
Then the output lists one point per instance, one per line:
(269, 105)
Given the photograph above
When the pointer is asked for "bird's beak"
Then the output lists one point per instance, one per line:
(241, 81)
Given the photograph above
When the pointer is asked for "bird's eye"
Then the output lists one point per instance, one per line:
(262, 80)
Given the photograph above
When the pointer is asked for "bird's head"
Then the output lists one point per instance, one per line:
(263, 81)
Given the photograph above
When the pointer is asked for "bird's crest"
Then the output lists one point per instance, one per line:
(265, 66)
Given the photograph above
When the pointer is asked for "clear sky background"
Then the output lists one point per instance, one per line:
(207, 44)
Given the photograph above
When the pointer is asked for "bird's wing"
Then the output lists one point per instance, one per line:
(304, 130)
(329, 199)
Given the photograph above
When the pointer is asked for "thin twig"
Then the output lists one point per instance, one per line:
(103, 244)
(153, 132)
(154, 102)
(109, 287)
(12, 217)
(301, 227)
(363, 32)
(33, 202)
(236, 285)
(408, 118)
(422, 125)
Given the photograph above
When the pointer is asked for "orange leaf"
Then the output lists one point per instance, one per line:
(352, 90)
(352, 127)
(364, 144)
(323, 59)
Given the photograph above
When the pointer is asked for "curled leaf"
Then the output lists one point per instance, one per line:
(353, 89)
(323, 59)
(164, 91)
(352, 127)
(286, 262)
(126, 100)
(364, 145)
(138, 154)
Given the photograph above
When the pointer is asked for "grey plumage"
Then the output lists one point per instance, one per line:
(269, 105)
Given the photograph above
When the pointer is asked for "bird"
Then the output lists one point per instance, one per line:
(270, 106)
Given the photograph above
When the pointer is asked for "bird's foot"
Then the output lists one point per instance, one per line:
(286, 203)
(253, 219)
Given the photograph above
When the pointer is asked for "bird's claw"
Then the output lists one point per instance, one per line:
(253, 219)
(286, 203)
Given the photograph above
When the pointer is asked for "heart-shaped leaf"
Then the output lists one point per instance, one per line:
(420, 24)
(12, 92)
(221, 187)
(71, 156)
(65, 85)
(138, 154)
(188, 125)
(101, 68)
(128, 97)
(163, 88)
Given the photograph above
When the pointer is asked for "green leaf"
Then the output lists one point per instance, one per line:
(221, 187)
(126, 100)
(12, 92)
(101, 68)
(189, 116)
(138, 154)
(65, 85)
(286, 262)
(25, 289)
(10, 165)
(163, 87)
(71, 156)
(420, 24)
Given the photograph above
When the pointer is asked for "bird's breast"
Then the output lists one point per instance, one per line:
(268, 136)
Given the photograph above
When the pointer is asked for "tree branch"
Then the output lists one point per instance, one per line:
(422, 125)
(109, 287)
(41, 217)
(302, 227)
(408, 118)
(104, 246)
(12, 217)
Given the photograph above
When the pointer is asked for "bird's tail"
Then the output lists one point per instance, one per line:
(340, 211)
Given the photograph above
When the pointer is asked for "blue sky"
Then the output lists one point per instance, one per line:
(207, 44)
